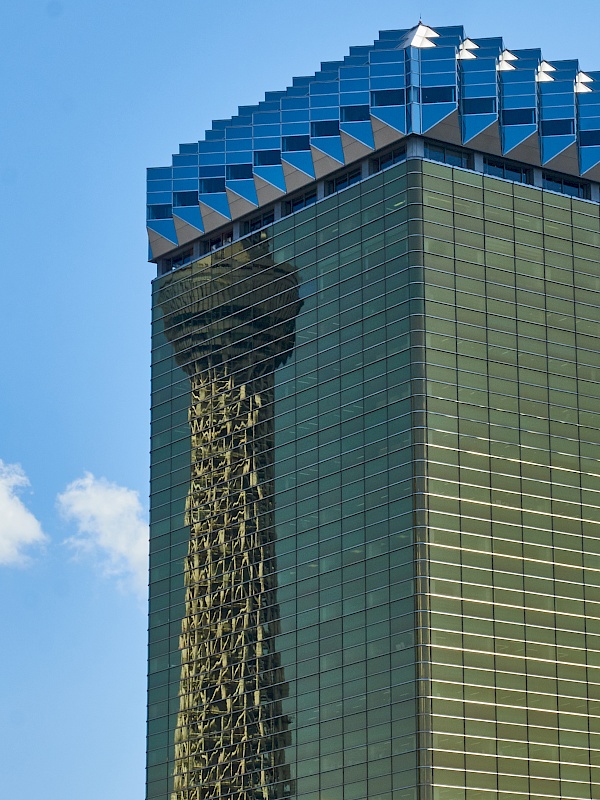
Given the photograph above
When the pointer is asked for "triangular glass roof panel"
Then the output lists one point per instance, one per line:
(330, 145)
(474, 124)
(218, 202)
(553, 145)
(394, 116)
(191, 215)
(362, 131)
(514, 135)
(589, 158)
(164, 228)
(302, 160)
(434, 113)
(245, 188)
(273, 175)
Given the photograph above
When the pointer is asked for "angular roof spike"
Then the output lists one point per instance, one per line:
(419, 36)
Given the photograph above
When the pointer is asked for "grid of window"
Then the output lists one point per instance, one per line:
(339, 485)
(426, 345)
(513, 417)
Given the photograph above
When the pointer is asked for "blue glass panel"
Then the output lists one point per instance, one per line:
(191, 215)
(185, 161)
(212, 185)
(294, 116)
(557, 127)
(479, 90)
(272, 174)
(158, 198)
(553, 145)
(235, 145)
(354, 86)
(323, 114)
(331, 145)
(434, 113)
(211, 147)
(185, 185)
(355, 98)
(295, 129)
(211, 158)
(514, 135)
(185, 198)
(439, 79)
(294, 103)
(165, 228)
(513, 82)
(395, 117)
(242, 132)
(438, 94)
(519, 116)
(479, 105)
(387, 83)
(265, 158)
(216, 171)
(160, 186)
(355, 113)
(471, 69)
(291, 144)
(267, 143)
(388, 97)
(361, 131)
(437, 67)
(327, 127)
(245, 188)
(272, 118)
(475, 124)
(159, 173)
(320, 101)
(301, 160)
(238, 172)
(354, 72)
(243, 157)
(382, 70)
(185, 172)
(218, 202)
(261, 131)
(589, 124)
(439, 53)
(589, 157)
(327, 87)
(527, 100)
(386, 56)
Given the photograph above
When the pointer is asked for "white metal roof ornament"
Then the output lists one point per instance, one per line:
(504, 61)
(580, 83)
(420, 36)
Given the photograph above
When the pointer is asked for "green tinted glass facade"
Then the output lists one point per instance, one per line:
(513, 351)
(374, 552)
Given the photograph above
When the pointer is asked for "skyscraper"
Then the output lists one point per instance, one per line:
(375, 547)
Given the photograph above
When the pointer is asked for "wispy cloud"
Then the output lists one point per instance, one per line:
(111, 525)
(19, 528)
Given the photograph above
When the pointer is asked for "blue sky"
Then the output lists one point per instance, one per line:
(91, 94)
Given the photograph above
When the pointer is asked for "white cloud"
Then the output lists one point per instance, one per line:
(19, 528)
(111, 524)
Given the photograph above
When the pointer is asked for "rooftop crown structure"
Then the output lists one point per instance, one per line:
(375, 508)
(436, 83)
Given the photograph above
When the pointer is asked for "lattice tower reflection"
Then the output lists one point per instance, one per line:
(231, 324)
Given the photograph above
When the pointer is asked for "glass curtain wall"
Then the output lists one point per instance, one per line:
(403, 433)
(512, 291)
(287, 422)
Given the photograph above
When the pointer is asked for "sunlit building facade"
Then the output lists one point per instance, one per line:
(375, 509)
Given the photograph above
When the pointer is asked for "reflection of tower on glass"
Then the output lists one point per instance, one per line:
(231, 325)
